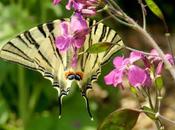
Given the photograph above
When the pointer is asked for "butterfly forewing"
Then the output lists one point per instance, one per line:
(36, 50)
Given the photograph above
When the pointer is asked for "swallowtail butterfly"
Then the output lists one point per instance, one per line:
(35, 49)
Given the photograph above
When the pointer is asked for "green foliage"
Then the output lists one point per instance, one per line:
(124, 119)
(154, 8)
(97, 48)
(149, 112)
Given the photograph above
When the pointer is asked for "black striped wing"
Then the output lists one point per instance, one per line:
(35, 49)
(91, 64)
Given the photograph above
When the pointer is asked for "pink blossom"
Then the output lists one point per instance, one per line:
(73, 34)
(85, 7)
(115, 77)
(158, 62)
(125, 67)
(138, 77)
(135, 56)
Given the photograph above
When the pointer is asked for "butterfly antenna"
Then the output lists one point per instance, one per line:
(87, 105)
(60, 98)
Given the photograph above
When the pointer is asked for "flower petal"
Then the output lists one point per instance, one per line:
(169, 57)
(78, 24)
(62, 43)
(78, 42)
(138, 77)
(159, 68)
(64, 26)
(135, 56)
(118, 61)
(109, 78)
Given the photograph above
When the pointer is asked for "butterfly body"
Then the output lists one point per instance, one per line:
(36, 50)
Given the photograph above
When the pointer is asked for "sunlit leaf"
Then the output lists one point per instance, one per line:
(97, 48)
(123, 119)
(154, 8)
(149, 112)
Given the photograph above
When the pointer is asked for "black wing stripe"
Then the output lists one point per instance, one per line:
(109, 31)
(16, 54)
(114, 37)
(49, 75)
(95, 62)
(22, 40)
(11, 44)
(17, 62)
(40, 28)
(61, 58)
(96, 27)
(53, 47)
(50, 26)
(44, 58)
(103, 34)
(31, 40)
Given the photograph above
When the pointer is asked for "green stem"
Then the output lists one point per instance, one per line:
(22, 96)
(34, 98)
(143, 13)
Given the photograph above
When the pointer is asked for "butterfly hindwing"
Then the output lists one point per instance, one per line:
(91, 63)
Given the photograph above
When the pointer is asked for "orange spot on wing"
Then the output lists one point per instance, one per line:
(80, 74)
(67, 73)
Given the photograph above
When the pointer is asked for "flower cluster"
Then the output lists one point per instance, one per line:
(137, 76)
(85, 7)
(73, 33)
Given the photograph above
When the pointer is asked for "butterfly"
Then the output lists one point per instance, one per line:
(35, 49)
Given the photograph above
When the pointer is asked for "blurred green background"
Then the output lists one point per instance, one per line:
(27, 100)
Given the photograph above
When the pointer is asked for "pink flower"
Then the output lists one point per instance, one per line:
(73, 35)
(138, 77)
(115, 77)
(85, 7)
(157, 60)
(135, 56)
(125, 67)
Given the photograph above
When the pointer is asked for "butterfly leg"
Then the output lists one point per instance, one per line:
(86, 100)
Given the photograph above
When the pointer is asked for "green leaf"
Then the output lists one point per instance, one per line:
(149, 112)
(123, 119)
(159, 82)
(99, 47)
(154, 8)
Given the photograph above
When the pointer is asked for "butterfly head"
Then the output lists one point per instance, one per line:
(70, 75)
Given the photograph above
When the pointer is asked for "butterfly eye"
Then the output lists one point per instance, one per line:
(78, 77)
(71, 77)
